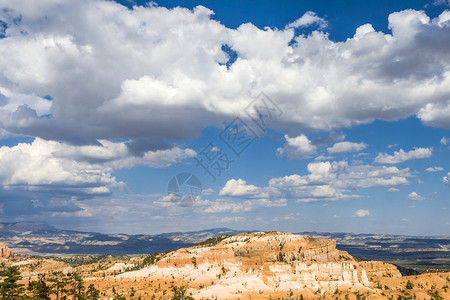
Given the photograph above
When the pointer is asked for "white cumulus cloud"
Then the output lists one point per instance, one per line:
(228, 206)
(434, 169)
(308, 19)
(415, 197)
(326, 181)
(346, 147)
(297, 147)
(38, 167)
(57, 168)
(239, 188)
(402, 156)
(362, 213)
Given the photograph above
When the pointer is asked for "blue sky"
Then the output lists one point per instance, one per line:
(102, 103)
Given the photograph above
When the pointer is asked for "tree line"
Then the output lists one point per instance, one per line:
(63, 286)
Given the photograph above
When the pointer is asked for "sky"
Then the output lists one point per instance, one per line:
(150, 117)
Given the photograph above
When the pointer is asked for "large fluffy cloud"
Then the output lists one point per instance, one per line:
(114, 72)
(38, 166)
(47, 174)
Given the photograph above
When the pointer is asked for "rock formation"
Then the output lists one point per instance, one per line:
(246, 266)
(267, 262)
(5, 252)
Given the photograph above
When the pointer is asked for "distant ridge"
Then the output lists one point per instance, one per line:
(26, 226)
(213, 231)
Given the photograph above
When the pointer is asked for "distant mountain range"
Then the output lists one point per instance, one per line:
(25, 226)
(40, 238)
(390, 247)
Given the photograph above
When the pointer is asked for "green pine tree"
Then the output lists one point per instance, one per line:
(409, 285)
(39, 289)
(59, 285)
(92, 293)
(179, 293)
(76, 287)
(10, 288)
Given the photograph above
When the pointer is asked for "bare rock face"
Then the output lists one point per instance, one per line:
(275, 261)
(5, 252)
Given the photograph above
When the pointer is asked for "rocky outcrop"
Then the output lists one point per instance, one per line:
(270, 261)
(5, 252)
